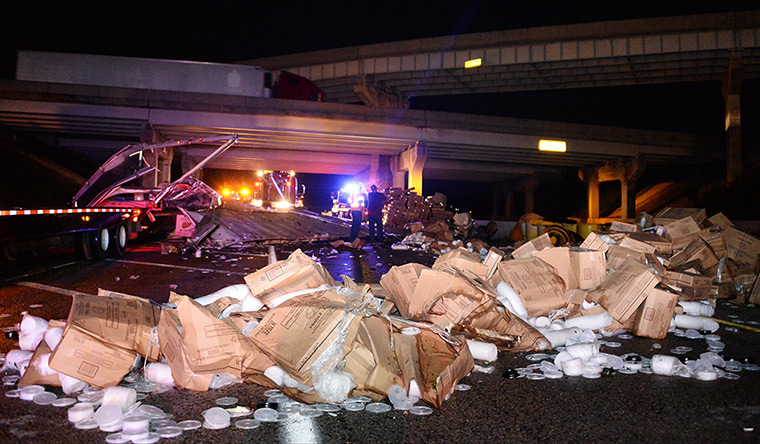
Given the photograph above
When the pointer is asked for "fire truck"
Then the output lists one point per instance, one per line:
(272, 189)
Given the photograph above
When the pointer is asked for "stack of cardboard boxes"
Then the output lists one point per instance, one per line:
(405, 208)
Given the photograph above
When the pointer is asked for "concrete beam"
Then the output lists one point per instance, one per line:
(410, 163)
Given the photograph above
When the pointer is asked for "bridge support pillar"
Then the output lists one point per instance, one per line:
(627, 173)
(529, 187)
(411, 161)
(732, 86)
(591, 177)
(503, 197)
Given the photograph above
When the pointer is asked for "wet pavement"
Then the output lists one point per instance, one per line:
(616, 408)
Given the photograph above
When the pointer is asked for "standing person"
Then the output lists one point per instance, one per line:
(358, 202)
(375, 204)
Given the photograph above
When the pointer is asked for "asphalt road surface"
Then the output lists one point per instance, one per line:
(619, 408)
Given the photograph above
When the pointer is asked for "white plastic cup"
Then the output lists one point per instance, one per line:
(590, 322)
(160, 373)
(33, 325)
(573, 367)
(584, 350)
(71, 385)
(42, 364)
(483, 351)
(53, 337)
(15, 358)
(696, 322)
(80, 411)
(664, 364)
(122, 397)
(511, 300)
(135, 424)
(30, 341)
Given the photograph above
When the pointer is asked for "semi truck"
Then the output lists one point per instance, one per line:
(114, 204)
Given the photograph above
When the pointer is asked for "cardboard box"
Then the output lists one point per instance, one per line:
(742, 247)
(682, 232)
(183, 226)
(660, 244)
(637, 245)
(624, 289)
(654, 315)
(594, 242)
(589, 267)
(119, 319)
(462, 259)
(527, 249)
(671, 214)
(400, 282)
(32, 376)
(297, 332)
(492, 260)
(90, 359)
(623, 227)
(436, 364)
(697, 250)
(721, 221)
(297, 272)
(616, 255)
(559, 258)
(540, 289)
(197, 345)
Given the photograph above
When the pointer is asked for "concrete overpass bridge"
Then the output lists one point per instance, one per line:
(395, 145)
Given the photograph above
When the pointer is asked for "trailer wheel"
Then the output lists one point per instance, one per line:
(101, 241)
(11, 251)
(119, 238)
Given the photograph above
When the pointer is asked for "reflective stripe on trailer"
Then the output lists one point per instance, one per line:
(63, 211)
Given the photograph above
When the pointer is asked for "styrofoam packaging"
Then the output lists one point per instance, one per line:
(122, 397)
(237, 291)
(697, 308)
(30, 341)
(590, 322)
(573, 367)
(53, 337)
(560, 337)
(160, 373)
(696, 322)
(483, 351)
(71, 385)
(33, 325)
(15, 358)
(509, 298)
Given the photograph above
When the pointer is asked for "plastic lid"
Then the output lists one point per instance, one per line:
(165, 423)
(421, 410)
(535, 376)
(646, 370)
(227, 401)
(11, 378)
(108, 414)
(44, 398)
(628, 371)
(272, 392)
(86, 424)
(115, 427)
(377, 407)
(364, 399)
(462, 387)
(152, 411)
(625, 336)
(353, 406)
(189, 424)
(327, 407)
(63, 402)
(150, 439)
(591, 375)
(265, 415)
(613, 344)
(135, 423)
(81, 411)
(247, 424)
(712, 337)
(206, 425)
(90, 397)
(555, 374)
(410, 331)
(278, 398)
(237, 412)
(310, 412)
(13, 393)
(27, 393)
(217, 416)
(169, 432)
(116, 438)
(537, 357)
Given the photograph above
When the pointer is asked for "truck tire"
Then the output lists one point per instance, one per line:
(101, 243)
(558, 235)
(119, 238)
(11, 252)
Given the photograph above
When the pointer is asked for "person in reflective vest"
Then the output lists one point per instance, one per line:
(375, 204)
(358, 203)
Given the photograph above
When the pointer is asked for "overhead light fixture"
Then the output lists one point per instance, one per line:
(474, 63)
(556, 146)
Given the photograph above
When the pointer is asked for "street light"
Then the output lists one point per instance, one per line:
(556, 146)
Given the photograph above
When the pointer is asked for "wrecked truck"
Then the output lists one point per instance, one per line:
(110, 208)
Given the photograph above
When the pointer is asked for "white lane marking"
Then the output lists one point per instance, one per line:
(52, 289)
(32, 273)
(210, 270)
